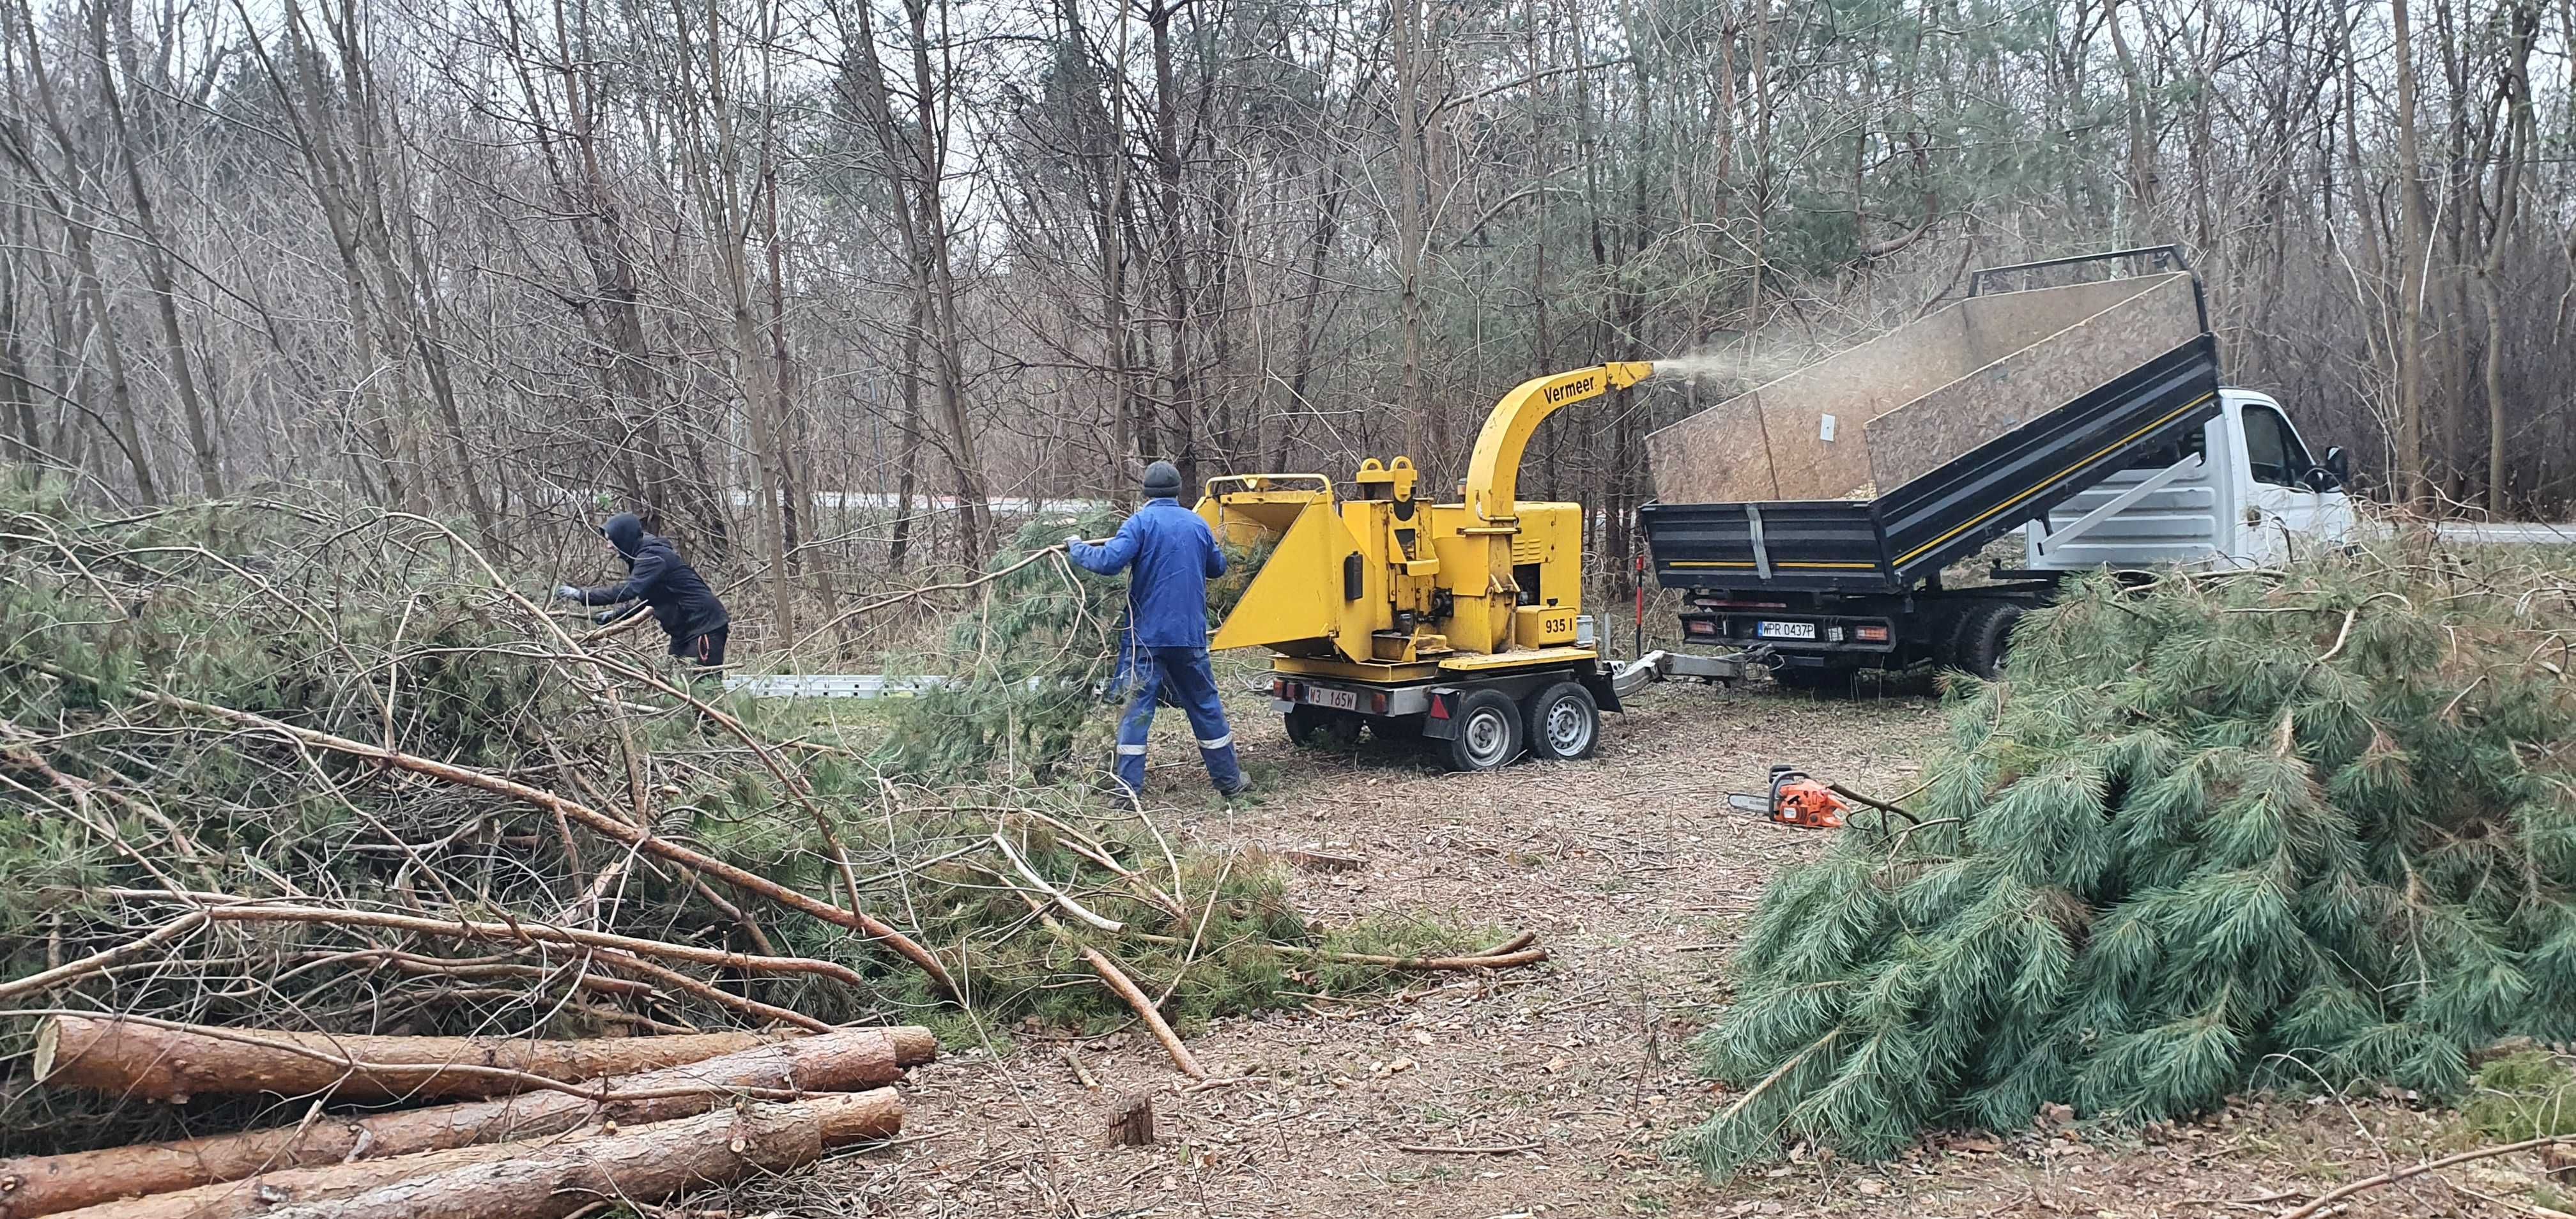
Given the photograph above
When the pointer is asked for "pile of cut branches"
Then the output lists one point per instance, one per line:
(2274, 829)
(1030, 667)
(269, 766)
(1033, 670)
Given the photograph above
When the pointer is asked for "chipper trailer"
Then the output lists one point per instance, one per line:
(1457, 624)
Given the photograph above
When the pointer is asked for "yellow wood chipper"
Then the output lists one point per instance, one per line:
(1459, 624)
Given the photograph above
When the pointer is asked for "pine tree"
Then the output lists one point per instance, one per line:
(2204, 836)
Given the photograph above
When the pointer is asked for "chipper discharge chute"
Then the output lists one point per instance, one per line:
(1459, 624)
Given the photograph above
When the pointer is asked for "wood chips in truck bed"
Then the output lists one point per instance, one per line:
(1890, 410)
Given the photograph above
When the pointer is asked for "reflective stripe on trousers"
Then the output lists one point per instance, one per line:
(1192, 686)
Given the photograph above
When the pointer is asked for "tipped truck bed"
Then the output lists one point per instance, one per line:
(1915, 529)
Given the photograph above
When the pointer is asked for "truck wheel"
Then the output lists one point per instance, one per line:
(1564, 723)
(1985, 635)
(1323, 728)
(1489, 732)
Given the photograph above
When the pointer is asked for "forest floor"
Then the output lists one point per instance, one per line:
(1550, 1091)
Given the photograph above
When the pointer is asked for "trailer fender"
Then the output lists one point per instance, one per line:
(1604, 691)
(1441, 722)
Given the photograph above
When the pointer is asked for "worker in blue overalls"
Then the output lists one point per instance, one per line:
(1174, 556)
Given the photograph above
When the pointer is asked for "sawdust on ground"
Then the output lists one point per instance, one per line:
(1547, 1091)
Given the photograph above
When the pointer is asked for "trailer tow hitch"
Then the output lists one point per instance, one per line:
(1660, 665)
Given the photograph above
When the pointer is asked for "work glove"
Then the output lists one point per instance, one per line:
(604, 617)
(566, 592)
(1072, 540)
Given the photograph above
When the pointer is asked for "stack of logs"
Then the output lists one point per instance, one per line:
(544, 1128)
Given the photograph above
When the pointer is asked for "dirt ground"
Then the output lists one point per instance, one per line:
(1551, 1091)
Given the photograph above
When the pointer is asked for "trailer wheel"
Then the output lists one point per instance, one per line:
(1985, 635)
(1323, 728)
(1564, 723)
(1489, 731)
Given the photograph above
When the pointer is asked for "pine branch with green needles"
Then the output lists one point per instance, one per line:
(2211, 835)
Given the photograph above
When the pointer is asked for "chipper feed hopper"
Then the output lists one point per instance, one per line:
(1460, 624)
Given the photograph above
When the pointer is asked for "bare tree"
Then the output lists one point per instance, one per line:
(828, 289)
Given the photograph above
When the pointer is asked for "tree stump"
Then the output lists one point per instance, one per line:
(2559, 1163)
(1133, 1124)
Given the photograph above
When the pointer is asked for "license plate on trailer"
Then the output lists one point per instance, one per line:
(1785, 630)
(1321, 696)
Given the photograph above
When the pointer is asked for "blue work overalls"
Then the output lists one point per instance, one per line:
(1173, 556)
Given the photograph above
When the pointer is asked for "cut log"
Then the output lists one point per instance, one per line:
(846, 1060)
(1133, 1124)
(156, 1061)
(875, 1115)
(545, 1178)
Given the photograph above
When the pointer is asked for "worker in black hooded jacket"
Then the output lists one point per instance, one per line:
(660, 579)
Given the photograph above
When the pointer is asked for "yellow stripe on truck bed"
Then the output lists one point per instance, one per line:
(1733, 563)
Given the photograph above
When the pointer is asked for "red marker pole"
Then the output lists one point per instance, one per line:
(1641, 603)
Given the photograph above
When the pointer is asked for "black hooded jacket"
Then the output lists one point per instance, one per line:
(657, 576)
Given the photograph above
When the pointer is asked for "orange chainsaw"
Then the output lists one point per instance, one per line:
(1795, 800)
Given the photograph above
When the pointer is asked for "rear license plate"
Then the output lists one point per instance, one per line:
(1785, 630)
(1347, 700)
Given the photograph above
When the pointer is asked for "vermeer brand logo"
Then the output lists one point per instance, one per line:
(1571, 390)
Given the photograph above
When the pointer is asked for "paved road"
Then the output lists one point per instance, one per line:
(2506, 533)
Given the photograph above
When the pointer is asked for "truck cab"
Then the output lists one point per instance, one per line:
(2245, 490)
